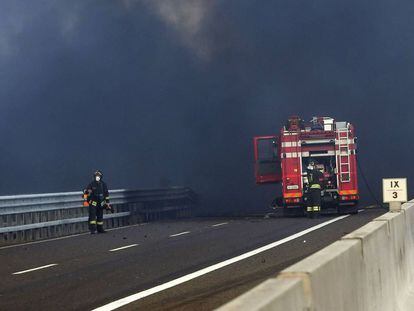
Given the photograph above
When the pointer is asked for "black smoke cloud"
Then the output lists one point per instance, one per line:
(158, 91)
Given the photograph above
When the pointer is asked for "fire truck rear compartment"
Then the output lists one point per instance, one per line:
(327, 165)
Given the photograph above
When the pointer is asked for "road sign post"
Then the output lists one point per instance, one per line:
(394, 191)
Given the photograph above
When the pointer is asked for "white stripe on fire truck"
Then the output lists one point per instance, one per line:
(307, 154)
(290, 144)
(343, 141)
(318, 141)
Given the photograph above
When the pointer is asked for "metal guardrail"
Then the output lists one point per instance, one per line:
(38, 216)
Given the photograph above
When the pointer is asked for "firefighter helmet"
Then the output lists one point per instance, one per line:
(98, 173)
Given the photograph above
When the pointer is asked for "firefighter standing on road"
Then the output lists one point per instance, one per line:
(315, 180)
(97, 197)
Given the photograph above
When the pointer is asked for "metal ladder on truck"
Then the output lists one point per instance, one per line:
(343, 153)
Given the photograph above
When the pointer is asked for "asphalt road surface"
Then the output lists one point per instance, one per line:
(197, 264)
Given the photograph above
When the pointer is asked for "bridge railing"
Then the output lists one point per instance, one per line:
(38, 216)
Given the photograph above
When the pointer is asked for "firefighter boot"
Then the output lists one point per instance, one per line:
(316, 211)
(92, 227)
(100, 227)
(309, 212)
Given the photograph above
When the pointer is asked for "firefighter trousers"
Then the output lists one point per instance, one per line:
(314, 201)
(96, 218)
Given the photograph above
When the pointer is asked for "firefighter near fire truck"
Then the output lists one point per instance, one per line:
(96, 198)
(313, 191)
(315, 163)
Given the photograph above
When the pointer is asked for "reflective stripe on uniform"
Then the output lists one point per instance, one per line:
(99, 223)
(315, 186)
(316, 208)
(93, 222)
(309, 209)
(94, 203)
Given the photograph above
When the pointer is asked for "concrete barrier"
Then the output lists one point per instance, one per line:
(371, 268)
(407, 302)
(275, 294)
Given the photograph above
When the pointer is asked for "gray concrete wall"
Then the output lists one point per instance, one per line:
(371, 268)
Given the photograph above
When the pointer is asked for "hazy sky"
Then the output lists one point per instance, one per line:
(153, 89)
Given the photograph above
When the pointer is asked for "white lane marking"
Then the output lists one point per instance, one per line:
(220, 224)
(361, 210)
(123, 247)
(126, 300)
(181, 233)
(34, 269)
(66, 237)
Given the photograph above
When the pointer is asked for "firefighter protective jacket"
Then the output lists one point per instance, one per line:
(315, 177)
(98, 193)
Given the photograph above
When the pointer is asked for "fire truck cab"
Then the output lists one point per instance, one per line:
(326, 144)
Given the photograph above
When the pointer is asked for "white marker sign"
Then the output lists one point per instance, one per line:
(394, 190)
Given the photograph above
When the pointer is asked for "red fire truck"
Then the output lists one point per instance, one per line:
(325, 143)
